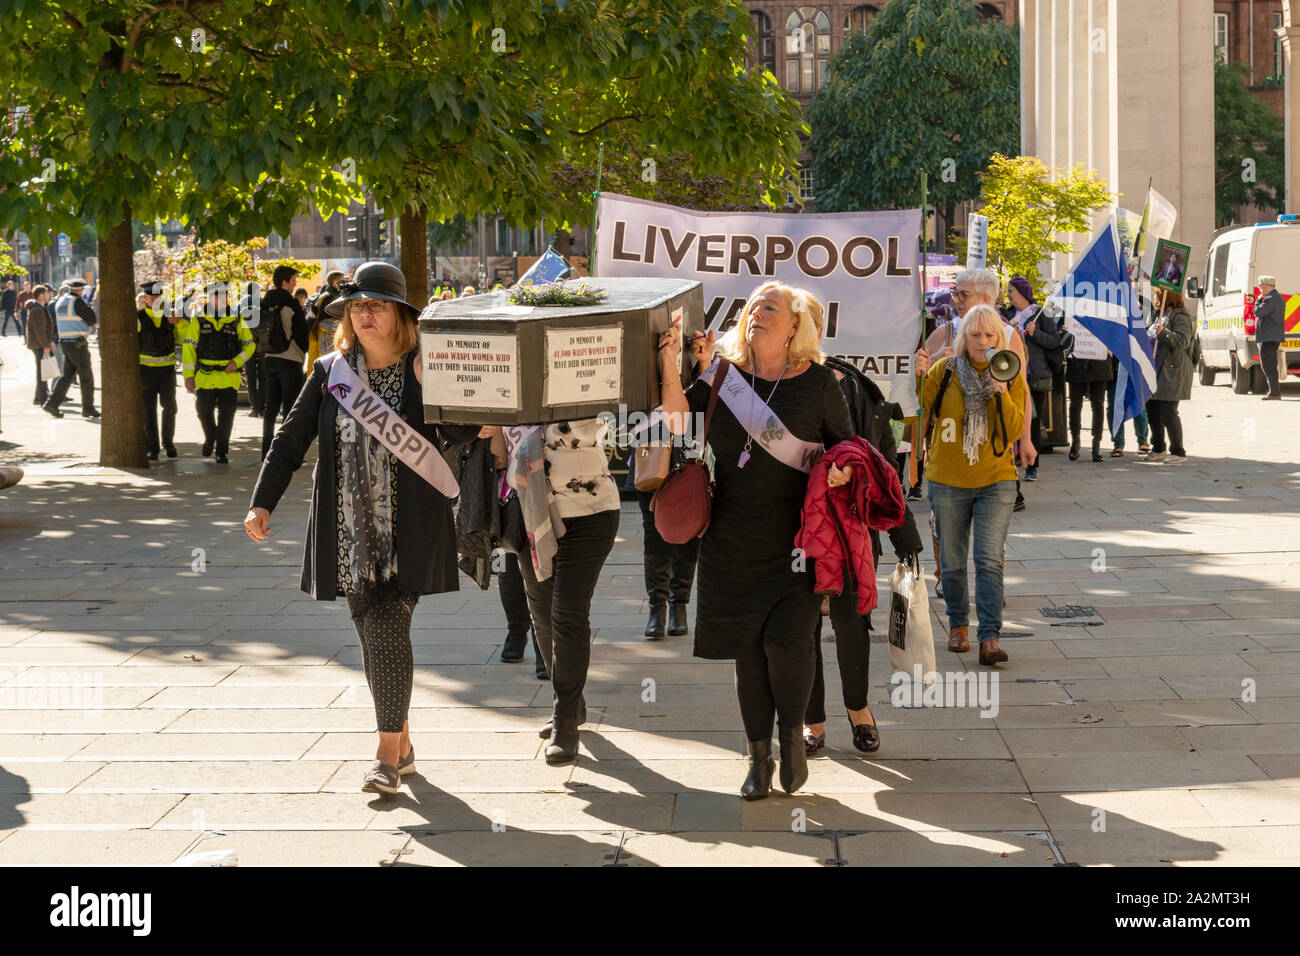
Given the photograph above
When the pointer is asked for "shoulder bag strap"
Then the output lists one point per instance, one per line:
(938, 403)
(997, 400)
(724, 367)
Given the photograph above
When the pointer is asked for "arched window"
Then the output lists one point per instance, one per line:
(763, 41)
(989, 12)
(807, 49)
(856, 20)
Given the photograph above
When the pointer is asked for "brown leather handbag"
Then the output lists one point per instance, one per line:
(652, 465)
(683, 505)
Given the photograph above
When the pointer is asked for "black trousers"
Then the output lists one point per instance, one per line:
(1096, 393)
(76, 364)
(42, 386)
(17, 319)
(1268, 361)
(382, 617)
(216, 408)
(1165, 418)
(775, 678)
(158, 387)
(669, 568)
(256, 387)
(561, 605)
(514, 597)
(282, 380)
(852, 651)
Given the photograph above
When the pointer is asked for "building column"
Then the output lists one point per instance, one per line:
(1291, 104)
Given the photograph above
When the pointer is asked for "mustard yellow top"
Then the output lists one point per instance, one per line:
(946, 462)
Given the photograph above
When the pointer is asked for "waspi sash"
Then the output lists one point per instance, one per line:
(762, 423)
(377, 417)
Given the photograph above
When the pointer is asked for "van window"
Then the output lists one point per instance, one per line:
(1277, 253)
(1234, 281)
(1218, 270)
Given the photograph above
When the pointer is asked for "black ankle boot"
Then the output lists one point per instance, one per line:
(676, 619)
(1074, 450)
(550, 724)
(563, 745)
(794, 758)
(758, 784)
(655, 626)
(512, 651)
(1096, 451)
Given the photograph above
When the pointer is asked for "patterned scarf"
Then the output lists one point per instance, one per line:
(978, 389)
(366, 494)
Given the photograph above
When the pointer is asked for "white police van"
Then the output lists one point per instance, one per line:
(1239, 255)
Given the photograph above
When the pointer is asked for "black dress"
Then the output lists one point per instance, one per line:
(745, 570)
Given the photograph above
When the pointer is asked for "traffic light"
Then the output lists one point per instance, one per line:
(373, 234)
(380, 234)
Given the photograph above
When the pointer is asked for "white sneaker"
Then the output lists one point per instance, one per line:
(1176, 460)
(1157, 456)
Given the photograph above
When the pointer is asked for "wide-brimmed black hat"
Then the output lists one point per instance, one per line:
(373, 280)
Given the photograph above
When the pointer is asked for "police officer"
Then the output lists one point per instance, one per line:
(217, 344)
(157, 371)
(74, 319)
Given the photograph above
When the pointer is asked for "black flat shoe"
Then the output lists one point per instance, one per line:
(1096, 455)
(151, 455)
(1074, 451)
(866, 737)
(171, 451)
(512, 651)
(813, 744)
(207, 448)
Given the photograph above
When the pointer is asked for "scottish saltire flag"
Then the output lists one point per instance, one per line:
(1099, 295)
(548, 268)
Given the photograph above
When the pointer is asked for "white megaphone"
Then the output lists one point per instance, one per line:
(1004, 364)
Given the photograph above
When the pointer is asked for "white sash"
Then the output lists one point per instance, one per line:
(762, 423)
(378, 418)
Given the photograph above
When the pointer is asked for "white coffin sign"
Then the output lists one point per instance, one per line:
(584, 365)
(464, 370)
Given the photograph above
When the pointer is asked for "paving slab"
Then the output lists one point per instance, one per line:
(511, 848)
(85, 847)
(726, 849)
(945, 848)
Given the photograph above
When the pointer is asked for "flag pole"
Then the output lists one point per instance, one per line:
(913, 461)
(595, 213)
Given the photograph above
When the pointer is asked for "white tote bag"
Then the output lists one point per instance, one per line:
(49, 368)
(911, 638)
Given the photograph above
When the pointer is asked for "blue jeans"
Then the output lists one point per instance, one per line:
(986, 511)
(1141, 424)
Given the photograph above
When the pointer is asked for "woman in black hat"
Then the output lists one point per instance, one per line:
(380, 528)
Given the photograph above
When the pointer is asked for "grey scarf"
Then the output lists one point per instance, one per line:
(366, 493)
(978, 389)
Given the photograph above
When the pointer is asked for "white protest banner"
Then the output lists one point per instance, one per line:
(977, 240)
(862, 266)
(1086, 345)
(479, 370)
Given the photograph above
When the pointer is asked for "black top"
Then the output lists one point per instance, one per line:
(746, 563)
(426, 546)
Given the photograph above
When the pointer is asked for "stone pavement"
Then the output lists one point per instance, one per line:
(165, 688)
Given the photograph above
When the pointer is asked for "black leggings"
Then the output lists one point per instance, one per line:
(852, 651)
(382, 616)
(774, 679)
(1096, 392)
(1268, 361)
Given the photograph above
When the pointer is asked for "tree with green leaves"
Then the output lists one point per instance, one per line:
(8, 267)
(1031, 206)
(1249, 148)
(929, 86)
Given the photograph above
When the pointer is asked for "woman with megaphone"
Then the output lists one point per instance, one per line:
(976, 399)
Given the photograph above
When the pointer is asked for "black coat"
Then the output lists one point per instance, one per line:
(1046, 338)
(1270, 318)
(426, 534)
(871, 416)
(1089, 370)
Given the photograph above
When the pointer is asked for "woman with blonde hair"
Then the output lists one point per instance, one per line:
(972, 473)
(778, 407)
(380, 529)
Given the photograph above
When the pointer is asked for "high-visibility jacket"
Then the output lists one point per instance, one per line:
(210, 345)
(157, 339)
(74, 317)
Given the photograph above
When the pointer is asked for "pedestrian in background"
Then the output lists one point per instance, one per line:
(157, 341)
(282, 370)
(9, 308)
(217, 344)
(40, 336)
(1270, 330)
(1087, 378)
(1174, 333)
(75, 320)
(1141, 424)
(1042, 336)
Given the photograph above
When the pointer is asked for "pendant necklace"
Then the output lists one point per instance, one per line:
(749, 441)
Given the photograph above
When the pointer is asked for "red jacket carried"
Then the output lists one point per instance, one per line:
(837, 522)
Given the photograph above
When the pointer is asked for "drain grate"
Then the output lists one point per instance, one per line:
(1068, 610)
(1097, 623)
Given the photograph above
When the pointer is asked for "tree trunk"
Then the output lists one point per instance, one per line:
(415, 255)
(563, 242)
(942, 239)
(121, 432)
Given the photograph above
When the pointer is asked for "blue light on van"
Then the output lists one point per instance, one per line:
(1289, 217)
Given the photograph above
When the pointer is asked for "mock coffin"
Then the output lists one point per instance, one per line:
(489, 362)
